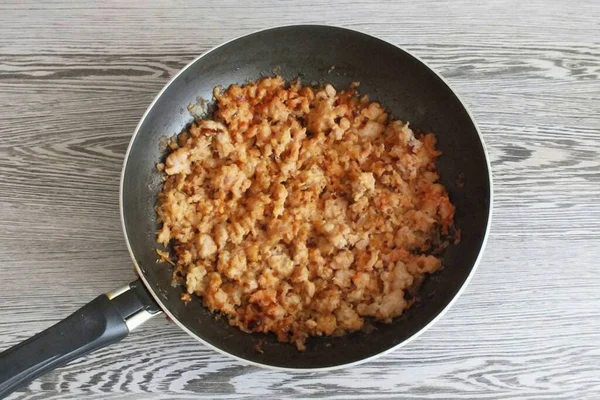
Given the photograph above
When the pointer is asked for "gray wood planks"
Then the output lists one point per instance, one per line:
(76, 77)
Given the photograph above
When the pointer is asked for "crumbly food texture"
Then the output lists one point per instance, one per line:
(302, 211)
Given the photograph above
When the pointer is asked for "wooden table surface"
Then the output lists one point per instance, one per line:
(75, 78)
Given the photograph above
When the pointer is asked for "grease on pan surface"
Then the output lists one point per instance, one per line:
(302, 211)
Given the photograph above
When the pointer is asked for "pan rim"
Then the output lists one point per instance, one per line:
(414, 336)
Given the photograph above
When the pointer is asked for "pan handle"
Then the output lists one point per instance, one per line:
(105, 320)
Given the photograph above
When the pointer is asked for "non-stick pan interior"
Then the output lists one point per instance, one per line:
(319, 54)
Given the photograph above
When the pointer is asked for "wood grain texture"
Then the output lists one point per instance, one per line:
(76, 77)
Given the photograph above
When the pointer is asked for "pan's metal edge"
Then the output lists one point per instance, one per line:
(336, 367)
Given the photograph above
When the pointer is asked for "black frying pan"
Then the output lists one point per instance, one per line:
(321, 54)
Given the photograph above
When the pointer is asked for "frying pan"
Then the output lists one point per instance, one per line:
(317, 55)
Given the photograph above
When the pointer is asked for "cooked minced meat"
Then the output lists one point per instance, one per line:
(300, 211)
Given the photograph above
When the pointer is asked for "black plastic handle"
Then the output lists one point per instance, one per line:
(101, 322)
